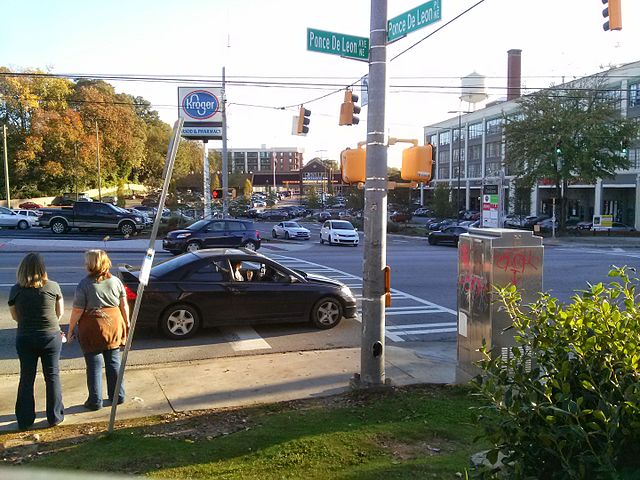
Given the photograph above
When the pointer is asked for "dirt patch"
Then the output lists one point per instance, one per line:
(403, 451)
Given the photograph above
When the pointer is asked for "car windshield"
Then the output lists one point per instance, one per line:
(342, 226)
(291, 224)
(198, 225)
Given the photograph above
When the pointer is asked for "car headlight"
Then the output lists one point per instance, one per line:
(183, 235)
(138, 219)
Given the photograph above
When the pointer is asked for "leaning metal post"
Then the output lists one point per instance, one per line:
(372, 354)
(169, 162)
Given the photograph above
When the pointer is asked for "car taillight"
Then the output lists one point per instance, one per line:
(257, 234)
(131, 295)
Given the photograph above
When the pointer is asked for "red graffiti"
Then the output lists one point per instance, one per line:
(465, 259)
(517, 261)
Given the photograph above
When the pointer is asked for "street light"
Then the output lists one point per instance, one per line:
(459, 112)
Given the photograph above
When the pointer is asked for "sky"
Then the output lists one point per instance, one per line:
(265, 42)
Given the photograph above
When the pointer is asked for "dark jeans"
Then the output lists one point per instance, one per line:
(94, 362)
(30, 348)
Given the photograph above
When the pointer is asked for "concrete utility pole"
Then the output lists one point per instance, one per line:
(225, 161)
(6, 164)
(372, 354)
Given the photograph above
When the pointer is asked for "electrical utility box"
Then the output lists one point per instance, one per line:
(488, 258)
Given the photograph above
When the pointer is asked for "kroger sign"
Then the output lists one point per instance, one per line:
(199, 104)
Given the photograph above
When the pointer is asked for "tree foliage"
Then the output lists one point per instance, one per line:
(52, 144)
(442, 206)
(567, 134)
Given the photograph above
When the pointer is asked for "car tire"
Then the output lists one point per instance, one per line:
(326, 313)
(58, 226)
(329, 241)
(321, 240)
(286, 235)
(180, 322)
(192, 247)
(23, 225)
(250, 246)
(127, 228)
(432, 241)
(274, 234)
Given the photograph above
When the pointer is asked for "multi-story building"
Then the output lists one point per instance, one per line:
(469, 151)
(263, 159)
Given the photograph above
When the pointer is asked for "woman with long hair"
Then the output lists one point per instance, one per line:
(36, 304)
(101, 312)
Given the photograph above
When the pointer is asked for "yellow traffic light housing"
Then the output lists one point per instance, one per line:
(302, 127)
(349, 110)
(353, 164)
(417, 163)
(613, 14)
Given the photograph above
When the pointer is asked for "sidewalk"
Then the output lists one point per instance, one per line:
(235, 382)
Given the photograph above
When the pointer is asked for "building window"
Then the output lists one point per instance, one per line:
(634, 95)
(494, 126)
(474, 152)
(433, 139)
(443, 170)
(613, 97)
(474, 170)
(458, 154)
(443, 156)
(492, 169)
(475, 130)
(634, 158)
(494, 150)
(458, 134)
(445, 138)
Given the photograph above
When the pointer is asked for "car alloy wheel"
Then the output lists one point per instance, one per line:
(127, 228)
(180, 322)
(23, 225)
(326, 313)
(58, 226)
(193, 247)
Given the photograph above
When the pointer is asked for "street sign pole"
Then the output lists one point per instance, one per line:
(206, 180)
(372, 352)
(225, 168)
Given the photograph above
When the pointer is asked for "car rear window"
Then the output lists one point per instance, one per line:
(175, 263)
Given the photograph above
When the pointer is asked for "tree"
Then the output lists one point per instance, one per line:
(313, 199)
(572, 133)
(248, 189)
(442, 206)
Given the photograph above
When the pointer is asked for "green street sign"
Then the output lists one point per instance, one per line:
(414, 19)
(337, 44)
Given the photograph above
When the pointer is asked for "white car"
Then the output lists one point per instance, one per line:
(290, 230)
(339, 232)
(34, 215)
(11, 219)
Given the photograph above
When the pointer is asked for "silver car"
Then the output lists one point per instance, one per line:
(290, 230)
(11, 219)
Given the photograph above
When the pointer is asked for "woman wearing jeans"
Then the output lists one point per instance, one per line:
(101, 311)
(36, 303)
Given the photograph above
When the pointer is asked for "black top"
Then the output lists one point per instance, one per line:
(36, 308)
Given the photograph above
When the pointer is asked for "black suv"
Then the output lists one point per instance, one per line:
(213, 234)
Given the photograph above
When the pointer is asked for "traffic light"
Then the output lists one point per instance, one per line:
(303, 121)
(216, 194)
(349, 109)
(353, 165)
(417, 163)
(559, 147)
(613, 14)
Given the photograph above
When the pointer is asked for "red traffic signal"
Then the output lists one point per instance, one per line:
(217, 193)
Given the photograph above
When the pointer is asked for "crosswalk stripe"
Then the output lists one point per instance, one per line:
(420, 326)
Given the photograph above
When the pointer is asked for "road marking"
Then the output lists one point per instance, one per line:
(394, 333)
(244, 338)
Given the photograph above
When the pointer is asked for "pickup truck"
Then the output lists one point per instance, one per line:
(91, 215)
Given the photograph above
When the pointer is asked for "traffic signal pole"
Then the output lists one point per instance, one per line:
(225, 160)
(372, 352)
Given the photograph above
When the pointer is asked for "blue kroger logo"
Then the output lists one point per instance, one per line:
(200, 104)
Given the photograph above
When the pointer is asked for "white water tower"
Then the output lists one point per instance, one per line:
(473, 89)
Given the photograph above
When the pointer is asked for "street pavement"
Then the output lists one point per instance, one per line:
(253, 379)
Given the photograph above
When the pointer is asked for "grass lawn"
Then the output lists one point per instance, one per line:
(414, 432)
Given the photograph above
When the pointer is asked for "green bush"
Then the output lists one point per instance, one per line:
(567, 404)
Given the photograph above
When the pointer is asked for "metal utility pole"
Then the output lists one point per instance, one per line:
(225, 161)
(372, 352)
(75, 167)
(6, 164)
(206, 180)
(98, 160)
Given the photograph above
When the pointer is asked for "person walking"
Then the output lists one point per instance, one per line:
(36, 304)
(101, 313)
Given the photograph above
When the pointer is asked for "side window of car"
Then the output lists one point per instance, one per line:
(235, 226)
(327, 225)
(208, 273)
(215, 227)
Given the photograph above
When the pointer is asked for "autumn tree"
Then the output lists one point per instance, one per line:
(569, 133)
